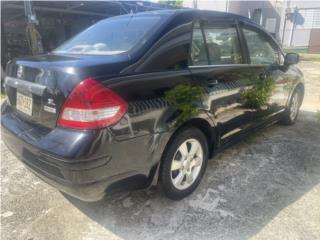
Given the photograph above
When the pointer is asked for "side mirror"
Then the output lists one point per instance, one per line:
(291, 58)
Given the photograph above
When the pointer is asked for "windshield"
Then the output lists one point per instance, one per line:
(112, 36)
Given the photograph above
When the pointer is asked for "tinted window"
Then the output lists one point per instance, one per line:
(113, 36)
(260, 50)
(170, 53)
(169, 59)
(223, 44)
(198, 48)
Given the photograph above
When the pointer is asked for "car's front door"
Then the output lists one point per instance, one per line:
(271, 83)
(218, 62)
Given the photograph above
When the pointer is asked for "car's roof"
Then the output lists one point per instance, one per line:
(185, 14)
(211, 15)
(208, 14)
(204, 14)
(189, 11)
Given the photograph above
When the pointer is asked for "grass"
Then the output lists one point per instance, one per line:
(2, 96)
(296, 50)
(310, 57)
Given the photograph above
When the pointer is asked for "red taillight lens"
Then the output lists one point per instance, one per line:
(90, 105)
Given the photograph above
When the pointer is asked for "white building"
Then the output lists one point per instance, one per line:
(295, 23)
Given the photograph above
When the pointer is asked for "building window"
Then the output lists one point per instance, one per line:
(257, 16)
(311, 18)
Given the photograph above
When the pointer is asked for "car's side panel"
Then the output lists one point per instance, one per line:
(295, 77)
(148, 109)
(224, 98)
(282, 84)
(149, 112)
(224, 82)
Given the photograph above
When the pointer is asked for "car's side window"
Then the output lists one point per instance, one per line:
(223, 44)
(260, 49)
(171, 53)
(198, 47)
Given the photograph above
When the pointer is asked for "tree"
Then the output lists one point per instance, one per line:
(176, 3)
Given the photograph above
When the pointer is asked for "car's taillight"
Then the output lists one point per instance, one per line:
(90, 105)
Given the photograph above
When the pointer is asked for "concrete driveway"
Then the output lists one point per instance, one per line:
(266, 187)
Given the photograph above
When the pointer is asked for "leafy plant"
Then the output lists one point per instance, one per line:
(259, 94)
(185, 97)
(176, 3)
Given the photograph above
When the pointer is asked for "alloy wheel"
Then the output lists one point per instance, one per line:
(186, 164)
(294, 108)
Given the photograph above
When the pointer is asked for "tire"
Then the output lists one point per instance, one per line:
(181, 170)
(292, 111)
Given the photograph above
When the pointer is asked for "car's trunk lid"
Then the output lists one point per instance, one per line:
(38, 86)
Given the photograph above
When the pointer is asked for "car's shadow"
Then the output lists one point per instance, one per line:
(243, 189)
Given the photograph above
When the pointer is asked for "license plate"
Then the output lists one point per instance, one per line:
(24, 103)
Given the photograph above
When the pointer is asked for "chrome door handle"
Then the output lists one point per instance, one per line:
(212, 82)
(262, 76)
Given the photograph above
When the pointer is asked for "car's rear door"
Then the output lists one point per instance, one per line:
(220, 63)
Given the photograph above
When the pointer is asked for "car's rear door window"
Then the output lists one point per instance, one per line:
(223, 44)
(198, 48)
(260, 49)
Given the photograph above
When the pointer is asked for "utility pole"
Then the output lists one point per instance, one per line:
(28, 10)
(284, 26)
(294, 24)
(32, 34)
(195, 4)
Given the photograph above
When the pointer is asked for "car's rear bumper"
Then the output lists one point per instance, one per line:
(86, 165)
(70, 178)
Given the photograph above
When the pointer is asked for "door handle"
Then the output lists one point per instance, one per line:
(262, 76)
(212, 82)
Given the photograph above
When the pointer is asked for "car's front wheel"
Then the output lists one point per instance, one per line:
(184, 163)
(291, 113)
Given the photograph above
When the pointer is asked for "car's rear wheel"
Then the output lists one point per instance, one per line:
(291, 113)
(184, 163)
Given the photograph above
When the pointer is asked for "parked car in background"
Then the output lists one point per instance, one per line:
(146, 98)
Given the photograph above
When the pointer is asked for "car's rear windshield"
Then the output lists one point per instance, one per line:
(113, 36)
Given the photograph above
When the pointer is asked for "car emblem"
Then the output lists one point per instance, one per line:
(51, 108)
(51, 102)
(20, 71)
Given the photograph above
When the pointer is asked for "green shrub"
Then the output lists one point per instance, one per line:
(259, 94)
(185, 98)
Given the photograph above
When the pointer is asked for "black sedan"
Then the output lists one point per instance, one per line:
(141, 99)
